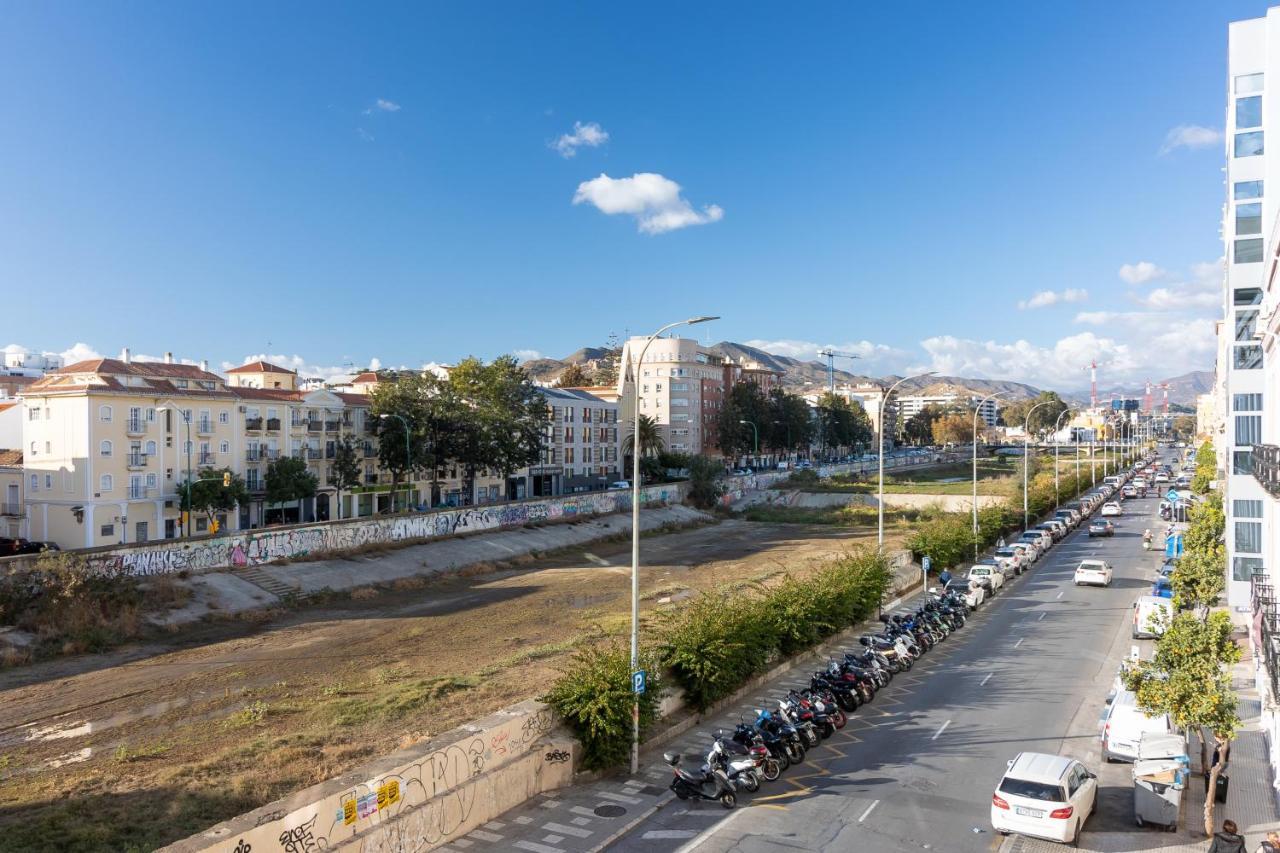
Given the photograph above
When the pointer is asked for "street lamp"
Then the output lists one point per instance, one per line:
(635, 531)
(884, 404)
(1056, 444)
(977, 411)
(186, 417)
(755, 431)
(1026, 461)
(408, 460)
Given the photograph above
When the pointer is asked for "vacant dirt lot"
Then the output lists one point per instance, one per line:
(140, 747)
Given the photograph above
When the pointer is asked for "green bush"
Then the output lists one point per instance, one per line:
(594, 697)
(706, 484)
(947, 539)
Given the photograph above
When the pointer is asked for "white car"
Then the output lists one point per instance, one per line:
(973, 593)
(1162, 477)
(619, 485)
(1093, 572)
(1044, 796)
(1111, 508)
(1027, 550)
(988, 573)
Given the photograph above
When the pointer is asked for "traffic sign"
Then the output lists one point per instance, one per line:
(926, 564)
(638, 681)
(1172, 497)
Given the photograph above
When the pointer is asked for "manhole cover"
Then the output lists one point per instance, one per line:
(610, 811)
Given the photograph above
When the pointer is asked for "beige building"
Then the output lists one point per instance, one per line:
(13, 515)
(682, 387)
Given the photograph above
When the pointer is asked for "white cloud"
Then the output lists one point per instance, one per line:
(527, 354)
(654, 201)
(79, 352)
(383, 105)
(375, 363)
(1058, 366)
(1191, 136)
(364, 134)
(1045, 298)
(1141, 272)
(590, 134)
(1179, 298)
(304, 368)
(879, 356)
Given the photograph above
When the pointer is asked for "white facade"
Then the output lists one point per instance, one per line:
(1250, 234)
(910, 405)
(682, 386)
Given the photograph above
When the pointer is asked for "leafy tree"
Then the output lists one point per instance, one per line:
(1206, 468)
(838, 423)
(210, 497)
(651, 443)
(673, 459)
(953, 429)
(705, 486)
(1014, 413)
(918, 429)
(346, 469)
(790, 425)
(288, 480)
(1184, 427)
(1188, 679)
(743, 402)
(429, 416)
(862, 432)
(573, 376)
(1200, 577)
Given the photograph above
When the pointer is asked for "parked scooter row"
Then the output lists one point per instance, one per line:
(760, 751)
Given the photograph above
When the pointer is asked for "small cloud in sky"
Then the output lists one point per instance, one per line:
(382, 105)
(364, 134)
(653, 200)
(1191, 136)
(1140, 273)
(1045, 298)
(527, 354)
(79, 352)
(590, 135)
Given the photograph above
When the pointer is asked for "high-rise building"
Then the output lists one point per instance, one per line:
(682, 387)
(1250, 294)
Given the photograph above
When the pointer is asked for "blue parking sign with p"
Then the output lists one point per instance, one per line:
(926, 563)
(638, 681)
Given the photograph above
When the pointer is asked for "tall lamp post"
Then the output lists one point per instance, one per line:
(1026, 462)
(755, 432)
(186, 417)
(1057, 499)
(884, 404)
(976, 412)
(635, 529)
(408, 461)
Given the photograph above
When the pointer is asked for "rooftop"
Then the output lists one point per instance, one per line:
(261, 367)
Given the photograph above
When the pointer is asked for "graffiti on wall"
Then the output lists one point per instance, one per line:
(256, 547)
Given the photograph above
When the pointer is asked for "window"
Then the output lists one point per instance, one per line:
(1249, 537)
(108, 530)
(104, 483)
(1249, 111)
(151, 448)
(35, 482)
(152, 481)
(1245, 321)
(1246, 509)
(202, 524)
(225, 447)
(1248, 358)
(568, 455)
(1249, 218)
(1248, 189)
(33, 414)
(1248, 430)
(1247, 296)
(224, 417)
(48, 447)
(33, 448)
(105, 448)
(1242, 568)
(1242, 462)
(1248, 251)
(48, 482)
(1247, 402)
(1249, 144)
(104, 413)
(1247, 83)
(151, 415)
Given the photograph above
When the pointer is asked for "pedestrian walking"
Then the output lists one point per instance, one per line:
(945, 577)
(1271, 844)
(1229, 840)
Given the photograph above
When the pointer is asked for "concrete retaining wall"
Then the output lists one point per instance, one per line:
(413, 800)
(899, 500)
(256, 547)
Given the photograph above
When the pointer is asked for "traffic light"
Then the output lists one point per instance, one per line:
(226, 479)
(183, 519)
(213, 526)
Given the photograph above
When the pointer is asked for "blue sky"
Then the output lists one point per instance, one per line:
(331, 185)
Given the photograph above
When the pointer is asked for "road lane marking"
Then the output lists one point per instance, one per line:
(1040, 618)
(1020, 639)
(985, 679)
(1059, 594)
(941, 730)
(870, 808)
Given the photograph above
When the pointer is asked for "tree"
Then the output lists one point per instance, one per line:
(790, 425)
(1184, 427)
(743, 402)
(346, 469)
(1048, 407)
(651, 443)
(953, 429)
(918, 429)
(289, 480)
(1206, 468)
(1200, 577)
(573, 376)
(606, 368)
(210, 496)
(1188, 679)
(839, 424)
(705, 486)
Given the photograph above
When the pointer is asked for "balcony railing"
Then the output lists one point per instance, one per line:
(135, 426)
(331, 426)
(204, 426)
(297, 423)
(1264, 606)
(314, 426)
(370, 451)
(314, 453)
(254, 454)
(273, 424)
(371, 479)
(138, 493)
(207, 458)
(254, 485)
(1266, 467)
(253, 424)
(10, 509)
(136, 460)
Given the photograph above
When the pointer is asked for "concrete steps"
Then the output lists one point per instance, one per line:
(256, 576)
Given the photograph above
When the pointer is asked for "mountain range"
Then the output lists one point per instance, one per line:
(799, 375)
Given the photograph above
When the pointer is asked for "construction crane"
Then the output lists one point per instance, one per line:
(1165, 386)
(1093, 383)
(1146, 400)
(832, 355)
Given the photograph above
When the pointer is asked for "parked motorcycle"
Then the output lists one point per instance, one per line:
(706, 784)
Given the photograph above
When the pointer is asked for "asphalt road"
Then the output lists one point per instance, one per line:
(915, 769)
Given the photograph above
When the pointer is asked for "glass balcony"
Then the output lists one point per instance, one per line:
(1266, 467)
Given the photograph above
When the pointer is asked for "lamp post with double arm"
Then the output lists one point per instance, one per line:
(976, 413)
(1026, 462)
(884, 404)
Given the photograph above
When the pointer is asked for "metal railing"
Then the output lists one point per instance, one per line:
(331, 426)
(136, 460)
(371, 479)
(204, 426)
(314, 453)
(207, 458)
(11, 509)
(1266, 467)
(254, 424)
(314, 426)
(137, 493)
(254, 454)
(273, 424)
(1264, 606)
(135, 426)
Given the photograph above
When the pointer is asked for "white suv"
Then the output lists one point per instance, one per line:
(1044, 796)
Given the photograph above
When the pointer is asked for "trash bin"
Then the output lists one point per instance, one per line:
(1153, 745)
(1157, 792)
(1220, 790)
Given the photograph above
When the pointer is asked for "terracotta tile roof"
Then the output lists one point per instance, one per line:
(114, 366)
(367, 376)
(352, 399)
(9, 404)
(280, 394)
(261, 367)
(10, 457)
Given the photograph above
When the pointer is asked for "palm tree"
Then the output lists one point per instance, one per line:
(651, 443)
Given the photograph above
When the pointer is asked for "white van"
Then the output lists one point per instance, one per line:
(1125, 725)
(1151, 614)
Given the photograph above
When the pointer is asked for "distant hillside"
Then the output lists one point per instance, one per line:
(1183, 389)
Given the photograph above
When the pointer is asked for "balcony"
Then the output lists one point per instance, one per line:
(139, 493)
(297, 423)
(204, 426)
(273, 424)
(371, 479)
(331, 426)
(313, 453)
(1266, 467)
(135, 426)
(207, 459)
(136, 460)
(253, 424)
(254, 485)
(313, 426)
(1264, 606)
(370, 451)
(330, 453)
(11, 509)
(255, 454)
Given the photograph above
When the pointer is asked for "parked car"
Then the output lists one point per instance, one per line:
(1151, 614)
(1124, 726)
(1129, 491)
(1162, 588)
(1027, 551)
(1044, 796)
(1101, 528)
(971, 591)
(620, 484)
(1111, 508)
(1010, 559)
(990, 572)
(1093, 572)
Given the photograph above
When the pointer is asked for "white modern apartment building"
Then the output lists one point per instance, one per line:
(912, 404)
(1250, 295)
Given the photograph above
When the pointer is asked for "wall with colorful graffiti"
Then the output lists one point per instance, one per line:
(254, 547)
(409, 803)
